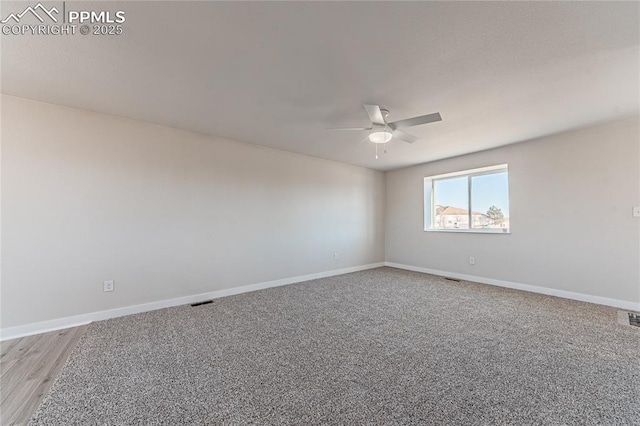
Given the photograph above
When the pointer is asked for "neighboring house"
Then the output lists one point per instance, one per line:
(449, 217)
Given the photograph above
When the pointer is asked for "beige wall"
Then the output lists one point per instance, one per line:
(571, 199)
(165, 213)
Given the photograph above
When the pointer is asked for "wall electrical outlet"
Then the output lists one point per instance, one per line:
(636, 211)
(472, 260)
(335, 256)
(107, 286)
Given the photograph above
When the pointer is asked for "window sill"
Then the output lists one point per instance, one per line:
(501, 231)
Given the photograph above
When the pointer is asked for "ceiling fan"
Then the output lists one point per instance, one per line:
(383, 131)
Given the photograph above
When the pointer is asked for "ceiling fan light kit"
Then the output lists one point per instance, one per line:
(383, 136)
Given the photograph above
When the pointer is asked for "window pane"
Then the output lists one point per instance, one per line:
(490, 200)
(451, 206)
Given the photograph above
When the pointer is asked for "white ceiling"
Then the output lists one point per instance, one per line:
(277, 74)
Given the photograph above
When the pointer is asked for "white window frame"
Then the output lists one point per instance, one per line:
(429, 200)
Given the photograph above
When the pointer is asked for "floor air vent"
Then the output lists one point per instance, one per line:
(629, 319)
(206, 302)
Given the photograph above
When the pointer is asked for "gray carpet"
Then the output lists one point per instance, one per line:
(382, 346)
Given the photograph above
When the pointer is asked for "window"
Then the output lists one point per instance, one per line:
(468, 201)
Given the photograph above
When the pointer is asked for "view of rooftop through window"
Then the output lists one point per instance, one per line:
(470, 200)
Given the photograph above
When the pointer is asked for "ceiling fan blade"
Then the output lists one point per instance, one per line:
(348, 128)
(366, 138)
(375, 115)
(404, 137)
(416, 121)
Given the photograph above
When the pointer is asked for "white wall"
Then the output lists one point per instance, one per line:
(165, 213)
(571, 199)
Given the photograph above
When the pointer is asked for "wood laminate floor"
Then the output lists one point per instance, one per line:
(28, 366)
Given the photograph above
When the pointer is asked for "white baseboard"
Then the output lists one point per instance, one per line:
(76, 320)
(623, 304)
